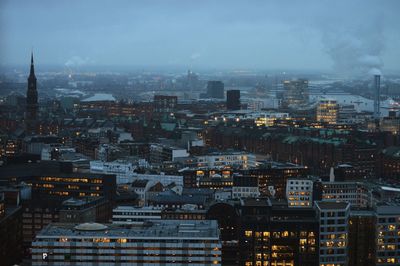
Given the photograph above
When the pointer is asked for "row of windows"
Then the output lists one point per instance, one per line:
(134, 262)
(333, 214)
(70, 179)
(125, 240)
(138, 213)
(249, 233)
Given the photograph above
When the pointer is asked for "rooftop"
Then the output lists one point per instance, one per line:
(261, 202)
(99, 97)
(334, 205)
(135, 208)
(188, 229)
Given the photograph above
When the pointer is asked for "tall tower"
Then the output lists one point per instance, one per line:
(215, 89)
(233, 100)
(377, 95)
(31, 100)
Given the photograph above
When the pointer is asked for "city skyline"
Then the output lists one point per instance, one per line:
(199, 133)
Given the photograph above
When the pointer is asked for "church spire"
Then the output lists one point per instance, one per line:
(32, 106)
(32, 72)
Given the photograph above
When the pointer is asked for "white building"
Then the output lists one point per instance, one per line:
(299, 192)
(141, 187)
(157, 242)
(125, 174)
(132, 214)
(164, 179)
(220, 160)
(333, 232)
(123, 170)
(245, 187)
(161, 153)
(356, 193)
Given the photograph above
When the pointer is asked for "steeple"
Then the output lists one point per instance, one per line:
(32, 72)
(31, 101)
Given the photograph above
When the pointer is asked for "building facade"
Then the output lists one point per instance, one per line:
(333, 233)
(169, 242)
(295, 92)
(328, 111)
(215, 89)
(233, 100)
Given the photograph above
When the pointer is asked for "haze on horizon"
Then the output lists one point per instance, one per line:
(344, 36)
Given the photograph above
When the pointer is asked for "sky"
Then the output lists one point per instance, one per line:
(355, 36)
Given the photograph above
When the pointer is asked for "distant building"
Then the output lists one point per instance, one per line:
(215, 89)
(295, 92)
(242, 160)
(31, 101)
(165, 104)
(233, 100)
(157, 242)
(390, 123)
(328, 111)
(161, 153)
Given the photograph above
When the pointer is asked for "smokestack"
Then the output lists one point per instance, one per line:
(377, 93)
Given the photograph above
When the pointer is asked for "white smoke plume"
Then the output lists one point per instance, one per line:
(355, 50)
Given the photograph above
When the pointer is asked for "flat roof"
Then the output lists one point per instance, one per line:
(152, 229)
(332, 205)
(135, 208)
(99, 97)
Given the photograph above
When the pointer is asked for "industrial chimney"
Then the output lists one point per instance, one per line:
(377, 93)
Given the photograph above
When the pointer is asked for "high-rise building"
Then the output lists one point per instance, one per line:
(156, 242)
(362, 227)
(31, 100)
(273, 234)
(215, 89)
(10, 227)
(377, 95)
(233, 100)
(333, 232)
(295, 92)
(165, 103)
(387, 234)
(192, 81)
(328, 111)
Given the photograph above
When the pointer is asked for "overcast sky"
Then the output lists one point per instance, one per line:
(314, 35)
